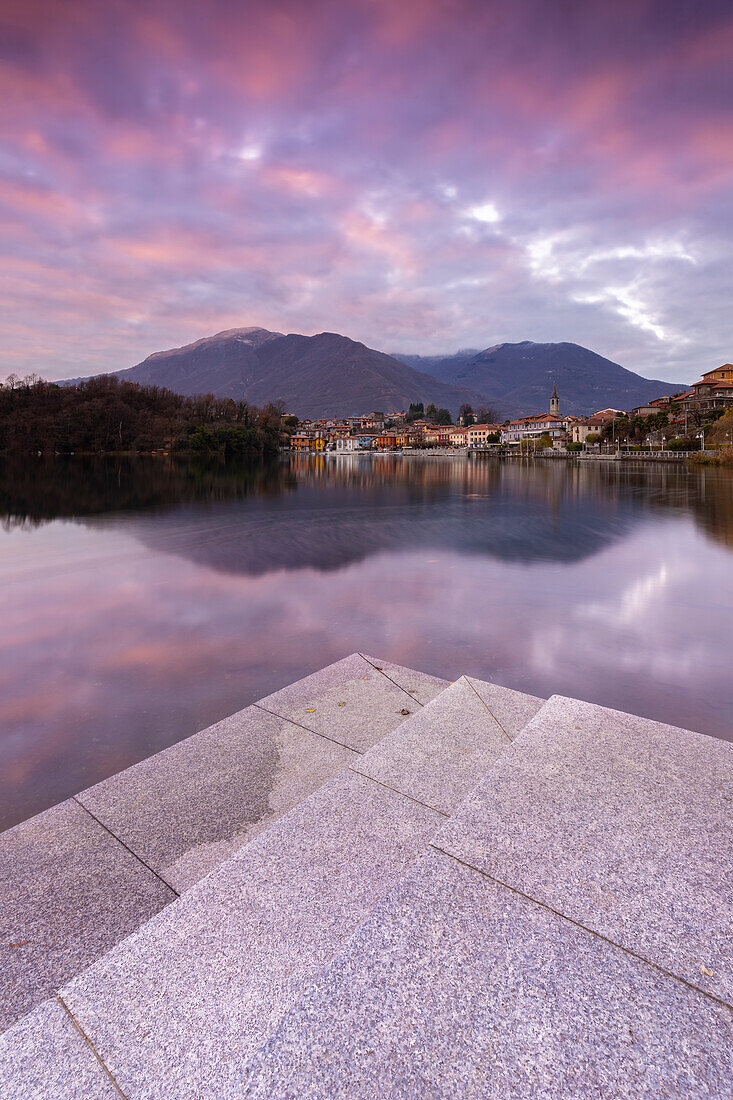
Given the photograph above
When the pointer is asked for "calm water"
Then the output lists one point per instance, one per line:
(143, 600)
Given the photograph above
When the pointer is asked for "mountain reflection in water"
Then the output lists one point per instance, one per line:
(144, 599)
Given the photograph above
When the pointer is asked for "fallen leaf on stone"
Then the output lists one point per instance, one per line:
(365, 677)
(342, 704)
(704, 970)
(311, 711)
(378, 668)
(404, 711)
(20, 943)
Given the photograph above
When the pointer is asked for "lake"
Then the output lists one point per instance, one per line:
(144, 599)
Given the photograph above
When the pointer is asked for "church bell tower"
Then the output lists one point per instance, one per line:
(554, 401)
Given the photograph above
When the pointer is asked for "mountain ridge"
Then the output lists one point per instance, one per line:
(329, 373)
(520, 376)
(312, 375)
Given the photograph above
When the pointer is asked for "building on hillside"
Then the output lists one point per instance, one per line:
(712, 394)
(719, 374)
(554, 401)
(459, 437)
(387, 441)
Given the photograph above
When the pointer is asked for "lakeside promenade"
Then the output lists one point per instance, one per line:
(375, 882)
(531, 456)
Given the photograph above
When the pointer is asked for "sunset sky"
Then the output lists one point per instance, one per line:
(422, 175)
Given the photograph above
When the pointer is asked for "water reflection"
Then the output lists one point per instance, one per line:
(144, 599)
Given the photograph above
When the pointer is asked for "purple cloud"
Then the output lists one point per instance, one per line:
(421, 176)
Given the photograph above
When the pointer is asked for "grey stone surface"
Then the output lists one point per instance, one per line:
(459, 987)
(68, 892)
(44, 1057)
(179, 1007)
(621, 824)
(420, 685)
(512, 709)
(188, 808)
(349, 701)
(439, 754)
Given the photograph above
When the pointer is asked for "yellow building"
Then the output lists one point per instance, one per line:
(307, 443)
(720, 374)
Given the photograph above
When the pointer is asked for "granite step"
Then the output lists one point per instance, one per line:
(79, 877)
(438, 755)
(565, 935)
(180, 1006)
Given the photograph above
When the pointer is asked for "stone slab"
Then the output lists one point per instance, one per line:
(459, 987)
(420, 685)
(349, 701)
(439, 754)
(179, 1008)
(188, 808)
(68, 892)
(621, 824)
(512, 709)
(44, 1057)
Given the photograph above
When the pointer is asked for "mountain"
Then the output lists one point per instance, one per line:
(519, 377)
(312, 375)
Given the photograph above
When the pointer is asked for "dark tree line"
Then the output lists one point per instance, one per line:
(107, 414)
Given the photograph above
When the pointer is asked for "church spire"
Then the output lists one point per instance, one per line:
(554, 401)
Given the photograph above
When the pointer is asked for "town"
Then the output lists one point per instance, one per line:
(676, 422)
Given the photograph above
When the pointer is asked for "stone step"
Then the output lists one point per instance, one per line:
(442, 752)
(179, 1007)
(566, 934)
(124, 849)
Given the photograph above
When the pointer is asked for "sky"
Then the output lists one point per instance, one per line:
(422, 175)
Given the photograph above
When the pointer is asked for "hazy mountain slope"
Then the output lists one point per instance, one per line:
(520, 377)
(312, 375)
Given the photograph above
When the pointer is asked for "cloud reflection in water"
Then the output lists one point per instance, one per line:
(137, 624)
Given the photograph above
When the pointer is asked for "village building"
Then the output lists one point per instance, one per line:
(719, 374)
(307, 442)
(477, 434)
(532, 427)
(592, 425)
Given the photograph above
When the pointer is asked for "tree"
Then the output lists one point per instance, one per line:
(107, 414)
(720, 434)
(443, 417)
(465, 415)
(486, 415)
